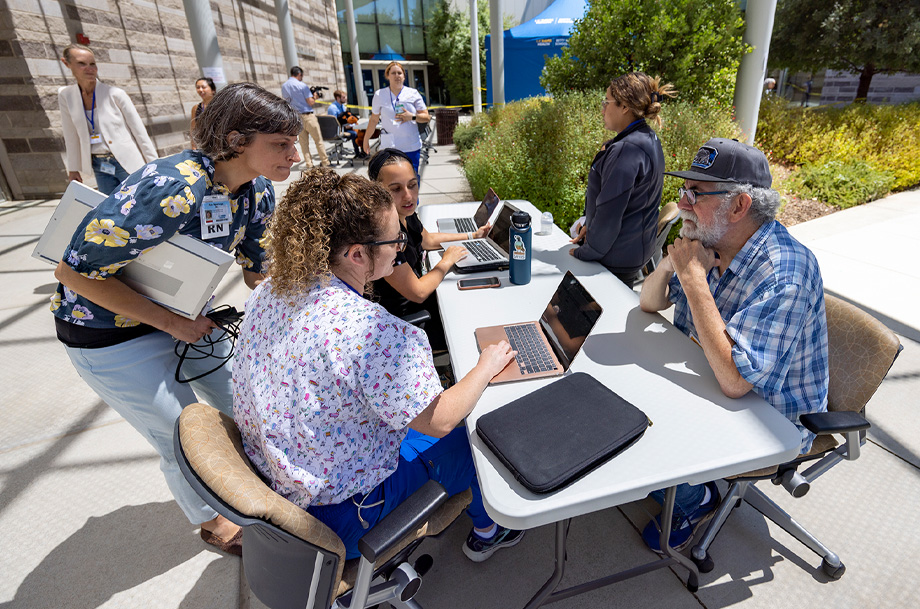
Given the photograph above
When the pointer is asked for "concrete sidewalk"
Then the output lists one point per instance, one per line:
(86, 519)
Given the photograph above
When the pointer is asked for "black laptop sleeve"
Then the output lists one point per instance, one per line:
(555, 435)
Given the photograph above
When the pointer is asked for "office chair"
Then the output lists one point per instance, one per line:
(861, 350)
(667, 218)
(331, 131)
(425, 131)
(291, 559)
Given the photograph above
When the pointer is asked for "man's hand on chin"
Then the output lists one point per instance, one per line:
(690, 259)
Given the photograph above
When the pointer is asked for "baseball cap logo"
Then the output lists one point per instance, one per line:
(705, 157)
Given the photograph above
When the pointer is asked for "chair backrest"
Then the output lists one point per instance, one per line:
(291, 559)
(667, 216)
(861, 350)
(328, 126)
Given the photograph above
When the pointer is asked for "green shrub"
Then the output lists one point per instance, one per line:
(541, 149)
(467, 134)
(844, 184)
(887, 138)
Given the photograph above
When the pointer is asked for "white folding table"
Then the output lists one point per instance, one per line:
(697, 433)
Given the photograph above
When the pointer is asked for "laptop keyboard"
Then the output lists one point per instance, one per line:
(465, 225)
(481, 251)
(532, 354)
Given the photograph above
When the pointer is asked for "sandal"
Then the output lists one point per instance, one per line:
(233, 546)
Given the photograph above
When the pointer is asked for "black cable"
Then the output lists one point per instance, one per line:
(227, 319)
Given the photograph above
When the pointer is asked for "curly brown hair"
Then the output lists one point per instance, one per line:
(246, 109)
(641, 93)
(320, 216)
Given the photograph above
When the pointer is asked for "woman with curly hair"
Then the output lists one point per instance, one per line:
(625, 181)
(337, 400)
(123, 345)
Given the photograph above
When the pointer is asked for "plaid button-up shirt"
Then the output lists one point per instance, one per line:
(771, 299)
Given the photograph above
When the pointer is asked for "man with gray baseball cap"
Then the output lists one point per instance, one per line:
(748, 293)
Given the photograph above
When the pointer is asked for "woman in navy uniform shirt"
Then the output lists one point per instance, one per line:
(625, 181)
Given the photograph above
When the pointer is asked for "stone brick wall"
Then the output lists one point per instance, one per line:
(144, 47)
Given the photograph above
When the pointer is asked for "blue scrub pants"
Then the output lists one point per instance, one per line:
(421, 458)
(414, 157)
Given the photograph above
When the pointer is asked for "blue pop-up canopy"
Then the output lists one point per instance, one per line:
(527, 45)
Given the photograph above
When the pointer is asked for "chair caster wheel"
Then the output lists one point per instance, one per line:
(423, 564)
(834, 572)
(705, 564)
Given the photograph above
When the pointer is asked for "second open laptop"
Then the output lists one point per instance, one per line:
(490, 253)
(484, 213)
(546, 347)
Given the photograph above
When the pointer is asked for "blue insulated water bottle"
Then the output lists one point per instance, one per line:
(519, 246)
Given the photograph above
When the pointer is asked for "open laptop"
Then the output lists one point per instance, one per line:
(484, 213)
(180, 274)
(489, 253)
(548, 346)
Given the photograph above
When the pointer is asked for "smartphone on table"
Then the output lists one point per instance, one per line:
(478, 283)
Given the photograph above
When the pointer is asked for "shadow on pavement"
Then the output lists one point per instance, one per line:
(114, 553)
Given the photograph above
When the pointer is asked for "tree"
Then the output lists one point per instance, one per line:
(694, 44)
(867, 37)
(449, 45)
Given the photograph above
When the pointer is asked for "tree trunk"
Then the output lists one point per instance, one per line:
(865, 79)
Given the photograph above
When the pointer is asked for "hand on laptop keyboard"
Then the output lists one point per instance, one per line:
(453, 254)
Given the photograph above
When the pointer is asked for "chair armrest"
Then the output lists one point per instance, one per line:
(407, 516)
(417, 317)
(834, 422)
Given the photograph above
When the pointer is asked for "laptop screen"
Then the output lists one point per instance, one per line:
(486, 208)
(499, 233)
(569, 317)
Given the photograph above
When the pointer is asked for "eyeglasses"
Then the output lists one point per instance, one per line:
(606, 102)
(400, 242)
(693, 194)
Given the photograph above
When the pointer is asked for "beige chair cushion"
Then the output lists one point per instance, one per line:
(821, 445)
(666, 214)
(214, 448)
(861, 350)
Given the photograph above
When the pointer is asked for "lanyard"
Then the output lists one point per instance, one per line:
(92, 116)
(392, 101)
(348, 285)
(635, 122)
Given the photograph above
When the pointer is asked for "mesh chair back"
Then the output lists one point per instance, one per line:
(328, 126)
(861, 350)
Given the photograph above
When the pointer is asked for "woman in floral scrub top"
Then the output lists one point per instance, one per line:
(337, 400)
(122, 344)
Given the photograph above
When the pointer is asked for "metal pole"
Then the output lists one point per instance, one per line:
(355, 57)
(283, 13)
(749, 84)
(204, 40)
(498, 52)
(474, 48)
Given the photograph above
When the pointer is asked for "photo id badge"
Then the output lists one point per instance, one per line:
(215, 216)
(95, 138)
(107, 168)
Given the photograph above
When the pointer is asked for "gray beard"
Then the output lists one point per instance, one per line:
(708, 235)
